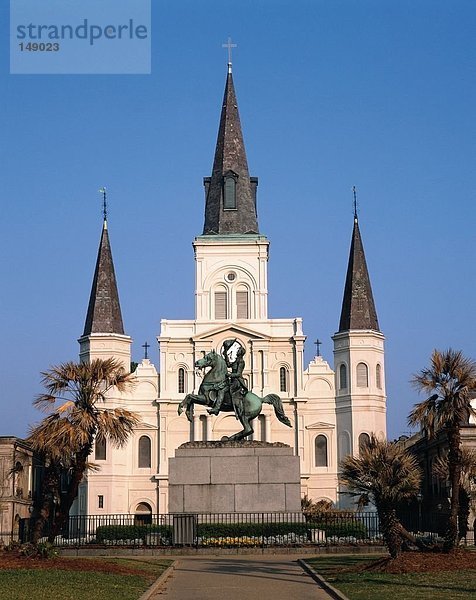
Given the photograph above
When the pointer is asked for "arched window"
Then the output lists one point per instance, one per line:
(242, 304)
(343, 377)
(181, 381)
(144, 452)
(203, 427)
(229, 193)
(143, 514)
(100, 449)
(221, 304)
(362, 375)
(283, 379)
(364, 440)
(320, 445)
(378, 376)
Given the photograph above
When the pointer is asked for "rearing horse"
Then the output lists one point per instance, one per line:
(215, 384)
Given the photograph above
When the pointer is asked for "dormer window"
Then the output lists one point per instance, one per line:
(229, 190)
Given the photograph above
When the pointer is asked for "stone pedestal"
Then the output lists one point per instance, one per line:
(234, 477)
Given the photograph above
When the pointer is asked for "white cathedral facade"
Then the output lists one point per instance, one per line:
(331, 409)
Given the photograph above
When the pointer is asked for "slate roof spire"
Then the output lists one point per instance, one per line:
(358, 307)
(230, 205)
(104, 310)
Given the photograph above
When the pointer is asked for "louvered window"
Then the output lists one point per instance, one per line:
(181, 381)
(378, 376)
(242, 304)
(144, 452)
(100, 449)
(220, 305)
(364, 440)
(342, 377)
(362, 375)
(320, 445)
(229, 201)
(283, 379)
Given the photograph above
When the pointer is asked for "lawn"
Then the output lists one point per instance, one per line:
(439, 585)
(70, 579)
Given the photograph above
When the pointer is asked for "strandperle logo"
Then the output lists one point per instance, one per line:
(83, 31)
(69, 37)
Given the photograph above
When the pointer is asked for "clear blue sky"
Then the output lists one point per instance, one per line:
(373, 93)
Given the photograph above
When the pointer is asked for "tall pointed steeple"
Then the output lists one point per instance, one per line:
(358, 307)
(230, 192)
(104, 310)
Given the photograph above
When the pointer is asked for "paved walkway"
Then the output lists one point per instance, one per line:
(273, 577)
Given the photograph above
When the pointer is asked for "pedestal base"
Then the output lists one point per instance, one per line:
(234, 477)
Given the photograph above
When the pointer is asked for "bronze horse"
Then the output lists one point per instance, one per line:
(215, 383)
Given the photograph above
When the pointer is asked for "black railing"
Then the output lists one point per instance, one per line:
(215, 530)
(228, 530)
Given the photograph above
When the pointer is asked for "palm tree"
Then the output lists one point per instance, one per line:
(384, 474)
(64, 439)
(450, 379)
(466, 489)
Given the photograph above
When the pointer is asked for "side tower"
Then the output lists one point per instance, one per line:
(358, 358)
(103, 335)
(231, 256)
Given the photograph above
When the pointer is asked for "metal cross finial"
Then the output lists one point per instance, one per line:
(354, 191)
(104, 202)
(146, 346)
(318, 347)
(229, 45)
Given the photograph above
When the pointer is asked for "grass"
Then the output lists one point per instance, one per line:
(46, 584)
(443, 585)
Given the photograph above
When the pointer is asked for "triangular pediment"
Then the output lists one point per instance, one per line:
(320, 425)
(231, 330)
(143, 426)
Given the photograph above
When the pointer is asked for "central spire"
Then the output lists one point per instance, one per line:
(230, 206)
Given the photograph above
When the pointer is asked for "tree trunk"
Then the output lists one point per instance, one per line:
(463, 513)
(62, 514)
(454, 467)
(41, 514)
(390, 529)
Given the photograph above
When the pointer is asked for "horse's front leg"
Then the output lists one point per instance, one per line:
(187, 405)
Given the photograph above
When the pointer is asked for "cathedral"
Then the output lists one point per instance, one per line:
(332, 409)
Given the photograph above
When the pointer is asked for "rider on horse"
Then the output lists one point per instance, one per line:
(236, 383)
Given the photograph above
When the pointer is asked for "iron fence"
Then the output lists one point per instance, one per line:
(215, 530)
(231, 530)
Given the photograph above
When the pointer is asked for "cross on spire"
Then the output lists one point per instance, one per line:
(318, 347)
(104, 202)
(146, 346)
(354, 191)
(229, 45)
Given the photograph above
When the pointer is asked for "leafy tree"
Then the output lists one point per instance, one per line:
(384, 474)
(467, 484)
(450, 379)
(64, 439)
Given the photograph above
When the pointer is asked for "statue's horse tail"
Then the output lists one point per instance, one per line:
(276, 403)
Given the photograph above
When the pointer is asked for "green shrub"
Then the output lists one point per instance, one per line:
(46, 550)
(130, 532)
(234, 530)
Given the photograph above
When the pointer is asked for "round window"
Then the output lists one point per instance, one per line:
(231, 276)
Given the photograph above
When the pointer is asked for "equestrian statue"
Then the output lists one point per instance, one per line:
(224, 389)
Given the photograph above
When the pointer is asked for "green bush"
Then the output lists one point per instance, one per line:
(344, 529)
(338, 528)
(234, 530)
(130, 532)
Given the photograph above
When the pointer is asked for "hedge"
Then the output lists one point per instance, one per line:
(130, 532)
